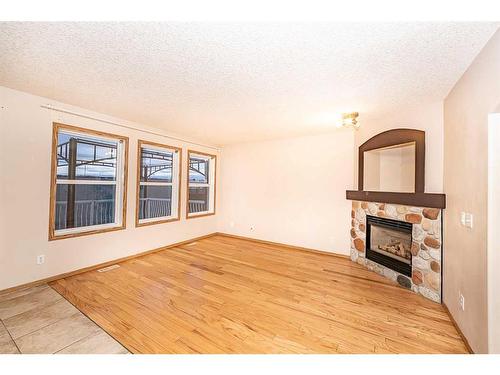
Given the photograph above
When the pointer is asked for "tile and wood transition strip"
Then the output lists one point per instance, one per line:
(39, 320)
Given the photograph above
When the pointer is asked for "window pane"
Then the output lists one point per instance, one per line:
(156, 165)
(198, 170)
(155, 201)
(81, 157)
(198, 199)
(84, 205)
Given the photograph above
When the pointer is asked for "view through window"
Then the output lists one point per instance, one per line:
(88, 186)
(201, 191)
(158, 183)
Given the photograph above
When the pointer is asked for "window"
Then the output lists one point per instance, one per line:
(88, 190)
(201, 184)
(158, 181)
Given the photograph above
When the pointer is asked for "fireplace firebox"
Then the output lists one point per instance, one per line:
(388, 242)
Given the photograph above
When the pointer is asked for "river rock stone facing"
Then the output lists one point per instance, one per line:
(426, 245)
(404, 281)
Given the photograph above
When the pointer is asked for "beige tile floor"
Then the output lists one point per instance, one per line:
(40, 321)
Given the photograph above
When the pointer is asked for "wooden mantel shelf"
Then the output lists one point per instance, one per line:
(396, 137)
(432, 200)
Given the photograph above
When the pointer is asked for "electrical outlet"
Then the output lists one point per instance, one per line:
(252, 227)
(40, 259)
(461, 301)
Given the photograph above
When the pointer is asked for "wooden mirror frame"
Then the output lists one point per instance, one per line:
(396, 137)
(419, 198)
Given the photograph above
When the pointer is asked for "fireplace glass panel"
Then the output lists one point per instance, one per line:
(391, 243)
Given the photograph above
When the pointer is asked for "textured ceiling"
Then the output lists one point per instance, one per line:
(227, 83)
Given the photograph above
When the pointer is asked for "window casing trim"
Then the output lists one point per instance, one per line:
(120, 182)
(210, 185)
(164, 219)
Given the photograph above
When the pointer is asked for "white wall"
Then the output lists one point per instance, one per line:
(25, 149)
(291, 191)
(466, 110)
(421, 116)
(493, 243)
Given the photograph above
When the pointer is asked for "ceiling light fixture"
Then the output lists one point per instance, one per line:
(350, 119)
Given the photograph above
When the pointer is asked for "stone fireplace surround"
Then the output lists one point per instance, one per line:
(426, 246)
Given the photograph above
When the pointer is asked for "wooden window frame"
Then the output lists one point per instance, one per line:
(204, 213)
(56, 128)
(140, 144)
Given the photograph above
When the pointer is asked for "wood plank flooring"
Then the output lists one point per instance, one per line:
(227, 295)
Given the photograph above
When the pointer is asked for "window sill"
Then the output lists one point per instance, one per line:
(53, 235)
(199, 214)
(153, 222)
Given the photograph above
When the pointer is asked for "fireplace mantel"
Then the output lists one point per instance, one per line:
(433, 200)
(418, 198)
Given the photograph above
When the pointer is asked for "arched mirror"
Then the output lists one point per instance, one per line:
(393, 161)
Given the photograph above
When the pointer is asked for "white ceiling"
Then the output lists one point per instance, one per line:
(228, 83)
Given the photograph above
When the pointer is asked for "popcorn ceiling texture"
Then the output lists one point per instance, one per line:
(230, 83)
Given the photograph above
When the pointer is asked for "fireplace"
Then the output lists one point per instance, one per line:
(396, 231)
(388, 242)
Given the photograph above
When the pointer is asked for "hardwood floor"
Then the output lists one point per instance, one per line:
(227, 295)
